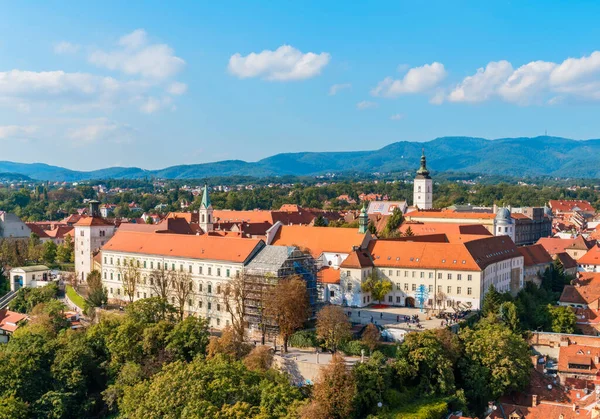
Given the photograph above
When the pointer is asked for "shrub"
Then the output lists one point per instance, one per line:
(353, 348)
(304, 339)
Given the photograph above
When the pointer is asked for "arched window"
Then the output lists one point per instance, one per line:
(419, 189)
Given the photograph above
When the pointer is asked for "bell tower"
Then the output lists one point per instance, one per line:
(423, 186)
(205, 214)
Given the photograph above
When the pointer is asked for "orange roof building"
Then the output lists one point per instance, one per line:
(590, 262)
(9, 322)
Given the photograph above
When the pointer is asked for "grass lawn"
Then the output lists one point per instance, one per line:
(75, 298)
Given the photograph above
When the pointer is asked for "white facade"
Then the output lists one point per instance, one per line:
(208, 277)
(423, 193)
(29, 277)
(87, 240)
(11, 226)
(504, 224)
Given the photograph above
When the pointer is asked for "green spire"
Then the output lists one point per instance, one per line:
(423, 172)
(363, 220)
(205, 198)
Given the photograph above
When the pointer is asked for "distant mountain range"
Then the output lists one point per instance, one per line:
(538, 156)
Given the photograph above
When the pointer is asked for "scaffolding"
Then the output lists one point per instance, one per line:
(271, 265)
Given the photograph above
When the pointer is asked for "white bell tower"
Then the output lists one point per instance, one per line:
(423, 187)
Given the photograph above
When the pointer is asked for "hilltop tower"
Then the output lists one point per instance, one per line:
(423, 186)
(363, 220)
(206, 212)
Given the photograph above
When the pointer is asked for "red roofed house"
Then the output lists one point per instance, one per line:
(9, 322)
(536, 260)
(590, 262)
(567, 207)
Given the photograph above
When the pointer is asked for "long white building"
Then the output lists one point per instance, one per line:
(209, 260)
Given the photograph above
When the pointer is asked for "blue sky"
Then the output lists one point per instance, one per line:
(154, 84)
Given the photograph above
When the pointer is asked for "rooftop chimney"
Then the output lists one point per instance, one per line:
(534, 400)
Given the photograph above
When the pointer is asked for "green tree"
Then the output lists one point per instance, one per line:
(491, 301)
(333, 392)
(373, 378)
(426, 360)
(188, 338)
(320, 221)
(49, 252)
(96, 292)
(13, 408)
(509, 315)
(393, 223)
(333, 326)
(370, 337)
(496, 361)
(378, 286)
(563, 319)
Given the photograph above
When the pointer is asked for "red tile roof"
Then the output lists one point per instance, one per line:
(9, 320)
(319, 239)
(357, 259)
(569, 205)
(86, 221)
(450, 215)
(535, 255)
(567, 261)
(328, 275)
(419, 228)
(592, 257)
(578, 354)
(585, 289)
(472, 255)
(184, 246)
(554, 245)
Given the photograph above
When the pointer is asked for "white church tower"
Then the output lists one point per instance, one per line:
(206, 212)
(423, 187)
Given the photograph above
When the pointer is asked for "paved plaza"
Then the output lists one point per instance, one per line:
(393, 317)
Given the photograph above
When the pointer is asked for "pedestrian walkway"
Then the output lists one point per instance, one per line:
(396, 317)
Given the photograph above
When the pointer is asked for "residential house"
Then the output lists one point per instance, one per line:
(11, 227)
(9, 322)
(590, 261)
(535, 260)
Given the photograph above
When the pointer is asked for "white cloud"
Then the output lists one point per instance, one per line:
(483, 84)
(151, 105)
(333, 90)
(537, 82)
(136, 57)
(416, 80)
(134, 40)
(397, 117)
(64, 47)
(99, 130)
(283, 64)
(16, 131)
(177, 88)
(365, 104)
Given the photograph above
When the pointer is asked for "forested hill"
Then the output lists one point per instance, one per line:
(538, 156)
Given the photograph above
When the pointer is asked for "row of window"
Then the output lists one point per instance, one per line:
(173, 301)
(165, 266)
(150, 281)
(422, 274)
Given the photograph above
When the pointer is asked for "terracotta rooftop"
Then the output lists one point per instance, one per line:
(328, 275)
(357, 259)
(534, 255)
(569, 205)
(585, 290)
(592, 257)
(419, 228)
(554, 245)
(472, 255)
(580, 355)
(567, 261)
(319, 239)
(9, 320)
(450, 215)
(184, 246)
(86, 221)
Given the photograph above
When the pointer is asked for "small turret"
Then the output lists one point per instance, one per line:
(363, 220)
(206, 212)
(94, 208)
(423, 173)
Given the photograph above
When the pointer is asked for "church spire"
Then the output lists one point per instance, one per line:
(423, 173)
(205, 198)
